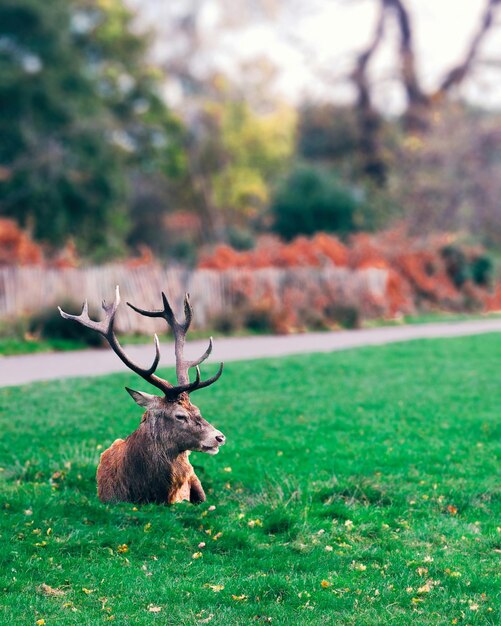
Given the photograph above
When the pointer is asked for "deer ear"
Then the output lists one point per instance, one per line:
(143, 399)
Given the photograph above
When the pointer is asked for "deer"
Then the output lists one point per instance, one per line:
(152, 464)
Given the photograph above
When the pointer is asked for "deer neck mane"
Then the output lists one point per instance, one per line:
(145, 446)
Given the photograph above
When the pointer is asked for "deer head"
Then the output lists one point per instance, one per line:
(177, 424)
(170, 420)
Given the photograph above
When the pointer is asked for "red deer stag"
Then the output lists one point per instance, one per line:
(151, 464)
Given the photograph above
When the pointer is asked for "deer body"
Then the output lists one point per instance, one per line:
(126, 474)
(152, 464)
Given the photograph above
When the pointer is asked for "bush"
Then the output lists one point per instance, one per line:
(226, 322)
(346, 316)
(259, 318)
(461, 266)
(481, 270)
(48, 324)
(311, 200)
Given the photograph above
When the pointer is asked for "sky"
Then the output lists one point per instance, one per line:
(313, 44)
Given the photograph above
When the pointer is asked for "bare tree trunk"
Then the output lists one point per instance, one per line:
(369, 120)
(420, 103)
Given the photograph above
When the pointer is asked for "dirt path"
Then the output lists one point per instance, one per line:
(18, 370)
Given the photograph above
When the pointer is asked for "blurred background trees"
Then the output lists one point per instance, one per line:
(177, 126)
(81, 117)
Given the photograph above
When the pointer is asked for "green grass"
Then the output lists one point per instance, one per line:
(17, 345)
(372, 470)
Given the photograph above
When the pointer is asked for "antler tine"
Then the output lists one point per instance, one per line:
(179, 330)
(105, 328)
(202, 358)
(212, 379)
(188, 312)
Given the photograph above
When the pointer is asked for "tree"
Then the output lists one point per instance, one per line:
(312, 200)
(80, 111)
(419, 102)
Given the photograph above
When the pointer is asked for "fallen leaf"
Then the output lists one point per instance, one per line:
(240, 598)
(325, 583)
(215, 588)
(87, 591)
(154, 609)
(46, 590)
(254, 522)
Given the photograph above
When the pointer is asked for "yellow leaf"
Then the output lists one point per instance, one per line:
(123, 548)
(40, 622)
(239, 598)
(197, 555)
(325, 583)
(215, 588)
(254, 522)
(87, 591)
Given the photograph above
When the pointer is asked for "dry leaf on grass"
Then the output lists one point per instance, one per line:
(46, 590)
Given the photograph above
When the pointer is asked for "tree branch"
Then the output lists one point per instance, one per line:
(415, 95)
(369, 120)
(456, 75)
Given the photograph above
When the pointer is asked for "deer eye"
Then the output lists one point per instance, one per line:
(180, 417)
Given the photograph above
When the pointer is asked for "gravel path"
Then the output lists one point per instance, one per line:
(18, 370)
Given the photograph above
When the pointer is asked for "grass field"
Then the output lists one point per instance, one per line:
(360, 488)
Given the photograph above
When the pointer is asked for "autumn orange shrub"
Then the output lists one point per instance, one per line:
(16, 247)
(418, 274)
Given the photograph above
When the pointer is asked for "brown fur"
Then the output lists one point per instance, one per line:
(151, 464)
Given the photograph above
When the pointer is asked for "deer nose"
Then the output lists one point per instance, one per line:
(220, 438)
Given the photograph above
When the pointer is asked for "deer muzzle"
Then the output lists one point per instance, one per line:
(212, 444)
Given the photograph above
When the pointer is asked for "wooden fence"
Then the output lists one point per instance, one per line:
(27, 290)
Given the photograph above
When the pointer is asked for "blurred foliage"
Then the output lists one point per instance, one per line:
(48, 324)
(463, 265)
(80, 111)
(327, 133)
(90, 153)
(256, 149)
(235, 156)
(310, 200)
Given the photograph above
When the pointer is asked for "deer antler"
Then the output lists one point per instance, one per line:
(105, 328)
(180, 330)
